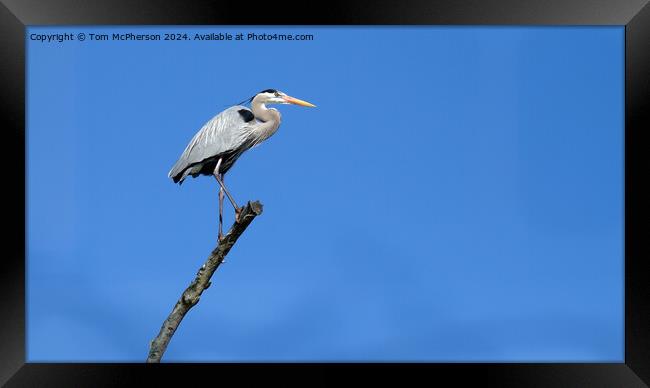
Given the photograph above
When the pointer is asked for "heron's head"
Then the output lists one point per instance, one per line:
(272, 96)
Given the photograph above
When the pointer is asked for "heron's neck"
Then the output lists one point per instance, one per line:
(270, 119)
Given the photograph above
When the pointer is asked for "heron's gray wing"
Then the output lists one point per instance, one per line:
(224, 132)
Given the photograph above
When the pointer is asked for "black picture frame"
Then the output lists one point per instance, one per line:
(15, 15)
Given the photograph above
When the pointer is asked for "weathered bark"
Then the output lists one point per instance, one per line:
(201, 282)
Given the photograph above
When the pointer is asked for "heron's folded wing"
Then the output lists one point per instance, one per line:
(226, 131)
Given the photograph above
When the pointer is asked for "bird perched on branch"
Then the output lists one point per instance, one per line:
(217, 145)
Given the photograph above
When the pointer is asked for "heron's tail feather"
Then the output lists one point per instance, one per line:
(177, 173)
(177, 179)
(180, 171)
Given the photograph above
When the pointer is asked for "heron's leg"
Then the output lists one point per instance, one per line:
(216, 172)
(232, 201)
(220, 236)
(223, 186)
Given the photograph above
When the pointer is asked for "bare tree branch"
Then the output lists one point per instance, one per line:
(192, 293)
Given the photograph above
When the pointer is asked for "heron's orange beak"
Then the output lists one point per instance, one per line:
(296, 101)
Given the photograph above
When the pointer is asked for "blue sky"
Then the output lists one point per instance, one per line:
(457, 195)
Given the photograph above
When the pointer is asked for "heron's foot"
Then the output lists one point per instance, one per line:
(237, 213)
(220, 237)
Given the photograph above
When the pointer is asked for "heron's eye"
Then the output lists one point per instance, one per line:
(277, 94)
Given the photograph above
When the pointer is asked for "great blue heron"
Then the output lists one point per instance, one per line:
(215, 148)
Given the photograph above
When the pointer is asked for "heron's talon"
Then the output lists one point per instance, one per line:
(237, 213)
